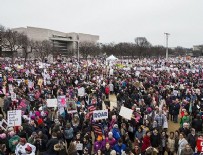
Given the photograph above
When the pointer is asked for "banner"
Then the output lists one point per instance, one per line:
(126, 113)
(14, 118)
(52, 103)
(62, 101)
(81, 91)
(71, 106)
(100, 114)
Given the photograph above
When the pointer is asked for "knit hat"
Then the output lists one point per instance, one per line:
(99, 138)
(110, 133)
(12, 133)
(3, 136)
(115, 126)
(28, 148)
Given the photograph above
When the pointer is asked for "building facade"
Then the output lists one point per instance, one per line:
(63, 42)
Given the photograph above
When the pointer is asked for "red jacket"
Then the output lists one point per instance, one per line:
(146, 143)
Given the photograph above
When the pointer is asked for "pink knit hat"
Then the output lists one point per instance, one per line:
(3, 136)
(12, 133)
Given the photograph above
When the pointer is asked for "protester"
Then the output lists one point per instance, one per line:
(58, 102)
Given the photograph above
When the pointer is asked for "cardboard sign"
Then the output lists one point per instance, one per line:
(71, 107)
(52, 103)
(100, 114)
(81, 91)
(79, 146)
(126, 113)
(13, 96)
(199, 144)
(10, 87)
(61, 101)
(14, 118)
(3, 125)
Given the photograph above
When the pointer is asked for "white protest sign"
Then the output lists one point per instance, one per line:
(14, 118)
(100, 114)
(81, 91)
(79, 146)
(52, 103)
(10, 87)
(111, 72)
(126, 112)
(13, 96)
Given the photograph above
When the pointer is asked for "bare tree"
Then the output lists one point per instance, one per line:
(142, 44)
(86, 49)
(43, 49)
(11, 41)
(27, 47)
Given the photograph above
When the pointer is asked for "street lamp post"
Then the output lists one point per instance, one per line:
(167, 34)
(78, 47)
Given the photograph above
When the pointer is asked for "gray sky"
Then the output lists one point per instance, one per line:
(113, 20)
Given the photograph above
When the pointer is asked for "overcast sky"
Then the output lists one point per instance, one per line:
(113, 20)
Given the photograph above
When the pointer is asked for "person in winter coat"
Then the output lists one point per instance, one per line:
(175, 110)
(181, 143)
(116, 132)
(23, 147)
(171, 144)
(110, 140)
(50, 145)
(68, 133)
(119, 147)
(187, 150)
(107, 150)
(146, 142)
(99, 144)
(197, 123)
(155, 139)
(13, 141)
(107, 91)
(72, 149)
(192, 138)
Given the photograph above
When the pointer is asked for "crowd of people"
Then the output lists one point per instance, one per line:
(157, 90)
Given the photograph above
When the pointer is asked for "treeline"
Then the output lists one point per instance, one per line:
(12, 43)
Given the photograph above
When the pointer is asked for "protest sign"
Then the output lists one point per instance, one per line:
(199, 144)
(13, 96)
(14, 118)
(30, 84)
(10, 87)
(79, 146)
(3, 125)
(71, 107)
(126, 112)
(61, 101)
(100, 114)
(52, 103)
(81, 91)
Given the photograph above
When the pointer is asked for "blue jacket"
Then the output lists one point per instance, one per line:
(116, 134)
(118, 148)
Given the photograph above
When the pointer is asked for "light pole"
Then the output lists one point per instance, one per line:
(78, 47)
(167, 34)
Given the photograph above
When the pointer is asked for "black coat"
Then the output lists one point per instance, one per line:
(192, 140)
(50, 146)
(197, 125)
(155, 140)
(176, 109)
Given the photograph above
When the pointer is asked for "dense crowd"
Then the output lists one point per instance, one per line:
(157, 91)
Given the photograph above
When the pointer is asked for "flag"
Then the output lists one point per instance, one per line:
(97, 128)
(91, 108)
